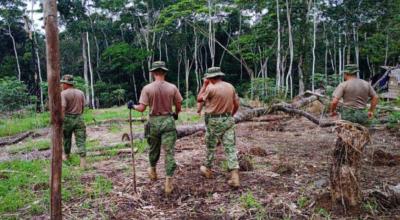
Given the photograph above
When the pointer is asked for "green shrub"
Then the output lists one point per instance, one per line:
(14, 95)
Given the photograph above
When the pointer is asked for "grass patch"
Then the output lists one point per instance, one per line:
(31, 121)
(31, 145)
(24, 187)
(250, 203)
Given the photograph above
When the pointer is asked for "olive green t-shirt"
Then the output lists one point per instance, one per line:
(73, 101)
(160, 96)
(355, 93)
(220, 98)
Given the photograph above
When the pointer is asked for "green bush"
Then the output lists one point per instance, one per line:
(14, 95)
(190, 102)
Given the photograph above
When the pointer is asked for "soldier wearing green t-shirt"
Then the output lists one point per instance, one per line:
(356, 94)
(160, 96)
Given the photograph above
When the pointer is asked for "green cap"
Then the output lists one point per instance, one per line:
(158, 65)
(350, 69)
(213, 72)
(68, 79)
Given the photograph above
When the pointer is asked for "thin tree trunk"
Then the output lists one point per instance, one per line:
(179, 68)
(90, 72)
(356, 48)
(340, 57)
(135, 87)
(15, 51)
(196, 65)
(314, 46)
(85, 68)
(211, 33)
(278, 50)
(53, 78)
(187, 72)
(301, 76)
(289, 74)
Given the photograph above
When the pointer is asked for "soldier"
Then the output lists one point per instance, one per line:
(355, 93)
(221, 102)
(160, 129)
(73, 104)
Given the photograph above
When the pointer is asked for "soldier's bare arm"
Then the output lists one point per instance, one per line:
(374, 103)
(200, 96)
(236, 104)
(333, 107)
(140, 108)
(178, 107)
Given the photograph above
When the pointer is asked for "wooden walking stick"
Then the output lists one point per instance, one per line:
(130, 106)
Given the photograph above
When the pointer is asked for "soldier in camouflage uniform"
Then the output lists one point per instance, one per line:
(221, 103)
(73, 105)
(355, 93)
(160, 129)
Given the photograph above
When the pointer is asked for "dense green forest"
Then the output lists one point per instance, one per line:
(266, 48)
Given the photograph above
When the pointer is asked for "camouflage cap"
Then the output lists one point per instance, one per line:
(213, 72)
(68, 79)
(158, 65)
(351, 69)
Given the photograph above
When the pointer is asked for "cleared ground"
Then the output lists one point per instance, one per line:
(287, 176)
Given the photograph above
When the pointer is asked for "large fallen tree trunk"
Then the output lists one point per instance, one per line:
(15, 139)
(346, 164)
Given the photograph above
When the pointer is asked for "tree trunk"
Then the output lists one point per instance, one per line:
(85, 69)
(289, 74)
(346, 165)
(278, 50)
(356, 49)
(15, 51)
(301, 75)
(211, 33)
(53, 78)
(179, 67)
(90, 72)
(313, 48)
(386, 48)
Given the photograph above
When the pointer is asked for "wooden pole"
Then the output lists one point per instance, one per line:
(53, 78)
(133, 151)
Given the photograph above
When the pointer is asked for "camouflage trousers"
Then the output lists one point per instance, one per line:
(359, 116)
(74, 124)
(221, 129)
(162, 133)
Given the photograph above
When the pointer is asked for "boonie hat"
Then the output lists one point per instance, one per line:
(158, 65)
(213, 72)
(351, 69)
(68, 79)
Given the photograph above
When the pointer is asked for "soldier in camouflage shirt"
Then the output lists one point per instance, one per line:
(161, 96)
(221, 103)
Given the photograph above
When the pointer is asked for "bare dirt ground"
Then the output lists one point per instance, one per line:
(288, 177)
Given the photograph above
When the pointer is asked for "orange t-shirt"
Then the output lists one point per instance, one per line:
(160, 96)
(73, 101)
(219, 98)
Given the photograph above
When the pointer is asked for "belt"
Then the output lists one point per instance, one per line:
(73, 115)
(219, 115)
(160, 115)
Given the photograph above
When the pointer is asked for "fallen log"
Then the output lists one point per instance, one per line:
(15, 139)
(345, 169)
(387, 198)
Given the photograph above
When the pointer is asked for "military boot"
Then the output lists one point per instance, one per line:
(83, 163)
(168, 185)
(152, 173)
(207, 173)
(234, 181)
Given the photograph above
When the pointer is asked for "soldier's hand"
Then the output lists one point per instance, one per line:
(175, 116)
(130, 104)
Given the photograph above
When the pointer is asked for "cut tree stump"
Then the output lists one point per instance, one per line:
(346, 165)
